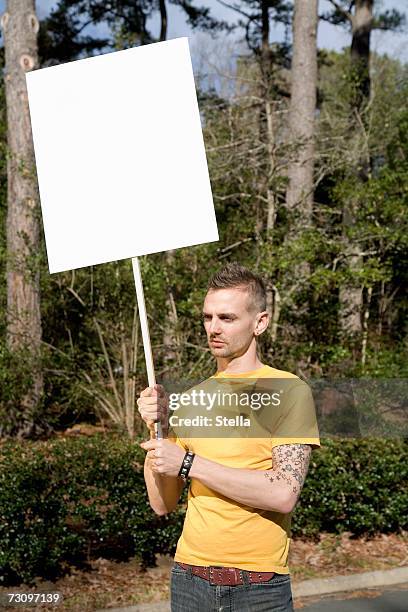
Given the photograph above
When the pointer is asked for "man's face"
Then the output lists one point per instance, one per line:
(229, 321)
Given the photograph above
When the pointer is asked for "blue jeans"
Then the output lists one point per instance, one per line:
(190, 593)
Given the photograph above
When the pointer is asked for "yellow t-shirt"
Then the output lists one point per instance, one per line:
(221, 531)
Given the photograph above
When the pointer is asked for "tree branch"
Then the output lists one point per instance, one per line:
(342, 10)
(235, 8)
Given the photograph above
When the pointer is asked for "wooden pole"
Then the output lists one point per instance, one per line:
(145, 335)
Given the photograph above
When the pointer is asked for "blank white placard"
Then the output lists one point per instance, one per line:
(120, 156)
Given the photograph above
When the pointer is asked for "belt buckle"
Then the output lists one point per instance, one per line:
(211, 569)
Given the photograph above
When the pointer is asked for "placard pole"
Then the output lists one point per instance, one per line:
(145, 335)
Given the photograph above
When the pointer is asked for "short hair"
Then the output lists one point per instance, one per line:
(233, 275)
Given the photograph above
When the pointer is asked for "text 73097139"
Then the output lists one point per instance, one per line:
(27, 598)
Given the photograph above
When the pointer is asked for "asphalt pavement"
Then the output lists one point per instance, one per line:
(388, 601)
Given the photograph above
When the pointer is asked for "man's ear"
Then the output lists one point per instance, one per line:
(262, 322)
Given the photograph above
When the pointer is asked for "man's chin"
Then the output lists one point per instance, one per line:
(220, 351)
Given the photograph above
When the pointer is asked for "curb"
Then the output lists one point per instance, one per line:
(309, 588)
(353, 582)
(161, 606)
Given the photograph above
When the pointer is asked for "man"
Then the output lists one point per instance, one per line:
(232, 554)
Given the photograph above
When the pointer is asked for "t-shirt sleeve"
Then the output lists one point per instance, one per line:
(297, 423)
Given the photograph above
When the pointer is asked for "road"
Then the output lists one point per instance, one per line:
(388, 601)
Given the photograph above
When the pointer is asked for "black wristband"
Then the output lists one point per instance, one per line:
(186, 465)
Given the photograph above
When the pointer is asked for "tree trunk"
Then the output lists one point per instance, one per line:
(361, 26)
(163, 19)
(351, 294)
(299, 195)
(302, 109)
(20, 27)
(267, 136)
(266, 116)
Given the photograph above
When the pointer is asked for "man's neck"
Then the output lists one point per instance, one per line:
(239, 365)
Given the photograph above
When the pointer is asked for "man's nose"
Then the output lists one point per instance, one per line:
(215, 326)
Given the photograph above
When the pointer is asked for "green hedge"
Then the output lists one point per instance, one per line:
(73, 499)
(355, 485)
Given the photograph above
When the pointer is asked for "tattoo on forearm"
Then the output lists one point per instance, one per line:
(290, 465)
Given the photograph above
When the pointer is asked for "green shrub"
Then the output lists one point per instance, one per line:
(355, 485)
(16, 379)
(71, 499)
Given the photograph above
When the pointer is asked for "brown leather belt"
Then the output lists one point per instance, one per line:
(226, 576)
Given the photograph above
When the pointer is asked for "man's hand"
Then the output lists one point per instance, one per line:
(153, 404)
(165, 456)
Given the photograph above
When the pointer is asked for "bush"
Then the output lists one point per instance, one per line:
(16, 380)
(71, 499)
(355, 485)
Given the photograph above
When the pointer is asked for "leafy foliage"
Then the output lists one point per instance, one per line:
(74, 499)
(390, 19)
(354, 485)
(308, 339)
(66, 34)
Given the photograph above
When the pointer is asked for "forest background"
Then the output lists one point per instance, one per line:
(307, 154)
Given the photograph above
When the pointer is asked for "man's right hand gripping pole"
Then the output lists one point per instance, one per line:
(153, 407)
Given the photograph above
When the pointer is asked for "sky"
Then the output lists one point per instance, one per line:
(329, 37)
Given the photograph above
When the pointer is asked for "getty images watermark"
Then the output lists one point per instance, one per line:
(245, 407)
(199, 398)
